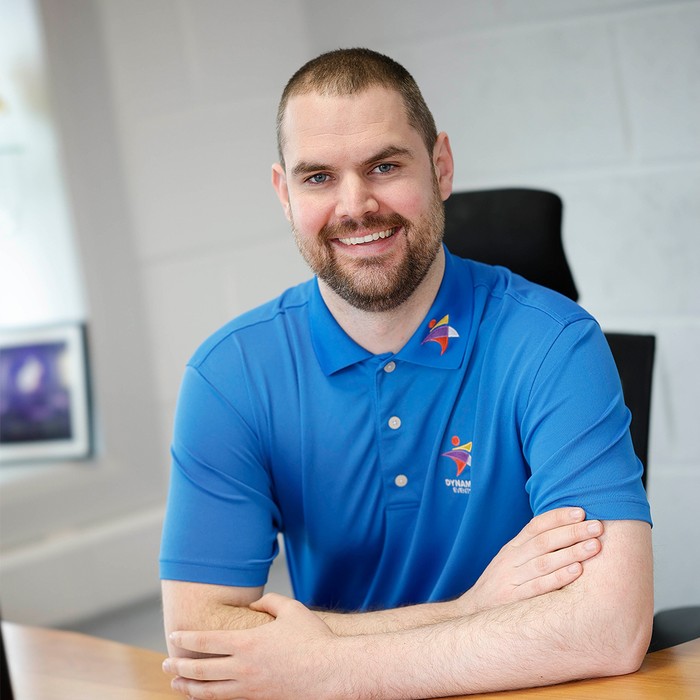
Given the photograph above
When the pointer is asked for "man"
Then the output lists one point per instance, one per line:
(427, 432)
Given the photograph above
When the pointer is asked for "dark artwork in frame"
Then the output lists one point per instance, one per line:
(44, 394)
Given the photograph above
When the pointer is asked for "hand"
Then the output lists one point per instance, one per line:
(287, 658)
(546, 555)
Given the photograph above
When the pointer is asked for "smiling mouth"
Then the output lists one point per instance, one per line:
(369, 237)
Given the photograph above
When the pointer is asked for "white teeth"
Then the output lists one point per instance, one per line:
(368, 238)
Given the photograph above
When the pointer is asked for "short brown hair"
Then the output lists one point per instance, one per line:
(349, 71)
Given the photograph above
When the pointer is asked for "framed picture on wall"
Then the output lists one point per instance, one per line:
(44, 394)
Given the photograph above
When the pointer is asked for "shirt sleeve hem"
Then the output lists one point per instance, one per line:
(202, 573)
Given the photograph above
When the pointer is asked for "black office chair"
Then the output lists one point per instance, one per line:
(517, 228)
(520, 229)
(634, 357)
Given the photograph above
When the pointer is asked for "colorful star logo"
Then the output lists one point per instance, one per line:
(440, 333)
(460, 455)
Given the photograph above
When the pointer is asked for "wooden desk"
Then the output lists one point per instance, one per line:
(670, 674)
(56, 665)
(48, 664)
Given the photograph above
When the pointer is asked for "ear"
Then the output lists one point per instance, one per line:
(279, 182)
(443, 164)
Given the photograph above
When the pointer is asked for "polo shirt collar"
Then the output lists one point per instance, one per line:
(440, 340)
(335, 349)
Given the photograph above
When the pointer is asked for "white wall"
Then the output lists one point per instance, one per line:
(595, 99)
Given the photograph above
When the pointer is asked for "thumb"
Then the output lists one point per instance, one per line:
(271, 603)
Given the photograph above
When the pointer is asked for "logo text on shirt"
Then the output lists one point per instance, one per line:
(460, 454)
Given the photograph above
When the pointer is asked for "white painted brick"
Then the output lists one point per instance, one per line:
(660, 58)
(673, 497)
(147, 55)
(633, 241)
(202, 178)
(675, 394)
(184, 305)
(334, 24)
(244, 49)
(259, 273)
(533, 99)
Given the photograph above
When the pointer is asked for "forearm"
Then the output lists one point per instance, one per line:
(394, 620)
(546, 555)
(207, 607)
(595, 627)
(525, 644)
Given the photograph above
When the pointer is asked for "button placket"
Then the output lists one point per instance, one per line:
(393, 442)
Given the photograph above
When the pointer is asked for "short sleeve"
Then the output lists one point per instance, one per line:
(575, 431)
(221, 520)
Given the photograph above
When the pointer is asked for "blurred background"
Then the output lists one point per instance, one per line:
(136, 138)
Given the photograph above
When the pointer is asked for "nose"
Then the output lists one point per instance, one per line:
(355, 198)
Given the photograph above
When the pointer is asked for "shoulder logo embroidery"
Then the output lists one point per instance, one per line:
(440, 332)
(461, 456)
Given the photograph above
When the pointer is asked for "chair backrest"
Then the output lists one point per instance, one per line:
(518, 228)
(634, 357)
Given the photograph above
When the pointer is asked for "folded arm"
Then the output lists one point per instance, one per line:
(545, 556)
(599, 625)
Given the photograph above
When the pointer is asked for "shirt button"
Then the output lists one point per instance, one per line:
(394, 422)
(401, 480)
(390, 367)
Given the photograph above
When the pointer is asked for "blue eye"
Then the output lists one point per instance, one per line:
(318, 178)
(385, 168)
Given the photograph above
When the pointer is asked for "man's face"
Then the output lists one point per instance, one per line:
(363, 194)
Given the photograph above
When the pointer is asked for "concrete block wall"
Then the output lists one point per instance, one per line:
(594, 99)
(196, 85)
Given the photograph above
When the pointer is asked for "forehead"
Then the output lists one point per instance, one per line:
(315, 123)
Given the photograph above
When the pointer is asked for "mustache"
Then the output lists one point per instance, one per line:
(345, 229)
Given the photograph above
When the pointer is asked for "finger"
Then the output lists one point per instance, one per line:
(216, 668)
(271, 603)
(550, 520)
(559, 560)
(208, 642)
(559, 538)
(546, 584)
(202, 690)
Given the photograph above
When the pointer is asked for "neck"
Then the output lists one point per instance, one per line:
(387, 331)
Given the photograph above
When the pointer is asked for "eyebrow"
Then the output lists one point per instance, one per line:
(304, 167)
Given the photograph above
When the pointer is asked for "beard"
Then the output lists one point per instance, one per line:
(371, 284)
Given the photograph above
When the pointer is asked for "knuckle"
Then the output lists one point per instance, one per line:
(561, 576)
(543, 542)
(541, 565)
(197, 671)
(202, 643)
(579, 532)
(540, 586)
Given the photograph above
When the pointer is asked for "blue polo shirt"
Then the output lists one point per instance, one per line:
(395, 478)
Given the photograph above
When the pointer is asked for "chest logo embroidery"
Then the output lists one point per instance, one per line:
(461, 456)
(440, 332)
